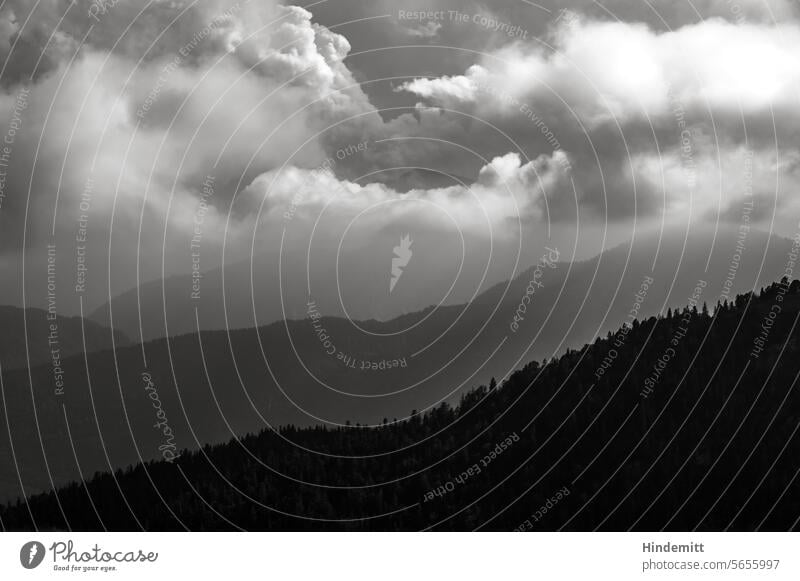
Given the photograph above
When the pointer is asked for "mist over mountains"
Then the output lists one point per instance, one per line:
(249, 294)
(326, 370)
(32, 337)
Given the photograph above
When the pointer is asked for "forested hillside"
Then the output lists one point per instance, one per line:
(683, 421)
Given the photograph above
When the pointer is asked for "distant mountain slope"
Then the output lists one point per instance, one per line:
(675, 261)
(351, 281)
(682, 422)
(69, 337)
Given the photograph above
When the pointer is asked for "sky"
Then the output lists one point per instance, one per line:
(147, 139)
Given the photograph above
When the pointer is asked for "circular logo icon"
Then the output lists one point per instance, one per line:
(31, 554)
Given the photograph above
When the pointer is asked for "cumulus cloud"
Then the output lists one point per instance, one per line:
(636, 107)
(127, 125)
(507, 190)
(614, 71)
(448, 90)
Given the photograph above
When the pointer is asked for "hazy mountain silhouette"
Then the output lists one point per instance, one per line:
(17, 352)
(355, 283)
(710, 444)
(360, 290)
(219, 384)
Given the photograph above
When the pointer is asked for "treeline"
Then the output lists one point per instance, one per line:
(682, 421)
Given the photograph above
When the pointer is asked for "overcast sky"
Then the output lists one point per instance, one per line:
(131, 127)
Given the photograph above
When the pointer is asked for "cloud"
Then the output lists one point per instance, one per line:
(428, 30)
(587, 118)
(614, 72)
(448, 90)
(121, 133)
(506, 190)
(625, 101)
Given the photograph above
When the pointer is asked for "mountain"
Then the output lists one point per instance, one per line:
(355, 284)
(29, 338)
(686, 421)
(328, 370)
(353, 281)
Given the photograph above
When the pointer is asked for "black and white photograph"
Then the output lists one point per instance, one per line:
(411, 268)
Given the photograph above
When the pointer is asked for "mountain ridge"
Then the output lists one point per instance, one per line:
(316, 478)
